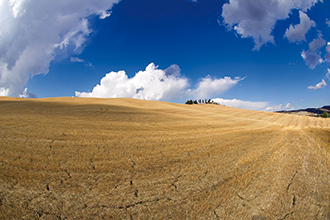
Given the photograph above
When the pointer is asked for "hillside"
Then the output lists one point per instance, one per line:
(77, 158)
(309, 111)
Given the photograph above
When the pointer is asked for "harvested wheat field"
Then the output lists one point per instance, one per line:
(76, 158)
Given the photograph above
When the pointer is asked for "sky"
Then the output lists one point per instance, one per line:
(255, 54)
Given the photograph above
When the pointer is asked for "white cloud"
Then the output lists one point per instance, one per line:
(320, 85)
(104, 14)
(32, 33)
(317, 43)
(312, 57)
(210, 87)
(242, 104)
(288, 106)
(328, 74)
(327, 56)
(327, 22)
(89, 64)
(298, 32)
(151, 84)
(173, 70)
(280, 107)
(27, 94)
(157, 84)
(76, 60)
(257, 18)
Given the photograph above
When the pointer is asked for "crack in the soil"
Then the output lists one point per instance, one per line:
(223, 181)
(133, 164)
(291, 181)
(239, 196)
(138, 203)
(216, 215)
(287, 215)
(294, 200)
(175, 181)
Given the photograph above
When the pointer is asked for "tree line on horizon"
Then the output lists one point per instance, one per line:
(200, 101)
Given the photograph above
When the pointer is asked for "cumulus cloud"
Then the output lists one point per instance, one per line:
(320, 85)
(27, 94)
(209, 87)
(173, 70)
(242, 104)
(157, 84)
(298, 32)
(312, 57)
(328, 22)
(150, 84)
(280, 107)
(32, 33)
(257, 18)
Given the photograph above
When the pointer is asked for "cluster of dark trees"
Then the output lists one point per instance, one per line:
(325, 115)
(199, 101)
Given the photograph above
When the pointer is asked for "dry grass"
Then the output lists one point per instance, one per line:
(75, 158)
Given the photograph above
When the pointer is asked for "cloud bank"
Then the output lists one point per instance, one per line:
(261, 106)
(280, 107)
(157, 84)
(32, 33)
(257, 18)
(242, 104)
(150, 84)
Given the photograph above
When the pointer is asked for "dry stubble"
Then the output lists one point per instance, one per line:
(75, 158)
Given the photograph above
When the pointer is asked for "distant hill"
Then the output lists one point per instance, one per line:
(311, 111)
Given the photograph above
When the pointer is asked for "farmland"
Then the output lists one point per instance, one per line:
(84, 158)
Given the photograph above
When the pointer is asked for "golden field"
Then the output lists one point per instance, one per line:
(80, 158)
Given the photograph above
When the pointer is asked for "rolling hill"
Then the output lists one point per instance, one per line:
(84, 158)
(309, 111)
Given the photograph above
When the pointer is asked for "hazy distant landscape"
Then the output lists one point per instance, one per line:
(80, 158)
(317, 112)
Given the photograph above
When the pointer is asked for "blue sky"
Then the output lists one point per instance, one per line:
(242, 53)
